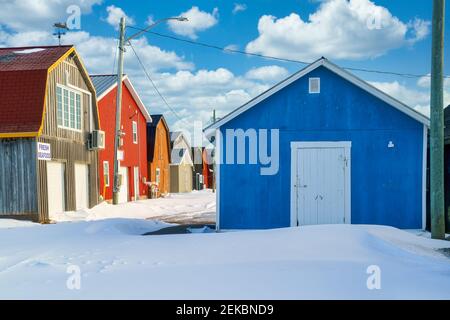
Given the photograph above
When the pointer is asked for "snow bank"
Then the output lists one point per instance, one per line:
(320, 262)
(194, 203)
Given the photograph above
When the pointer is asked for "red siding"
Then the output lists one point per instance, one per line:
(135, 155)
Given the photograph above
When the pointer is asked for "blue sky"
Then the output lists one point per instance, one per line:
(380, 34)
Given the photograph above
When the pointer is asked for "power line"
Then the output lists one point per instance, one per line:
(206, 45)
(154, 85)
(211, 46)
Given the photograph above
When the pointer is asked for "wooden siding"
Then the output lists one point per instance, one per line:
(18, 196)
(180, 178)
(68, 153)
(68, 146)
(161, 158)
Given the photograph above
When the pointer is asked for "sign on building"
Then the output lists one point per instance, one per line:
(44, 151)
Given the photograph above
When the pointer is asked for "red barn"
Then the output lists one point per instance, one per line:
(133, 149)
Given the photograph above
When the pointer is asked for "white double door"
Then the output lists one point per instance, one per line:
(322, 183)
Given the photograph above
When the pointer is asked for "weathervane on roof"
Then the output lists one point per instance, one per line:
(60, 29)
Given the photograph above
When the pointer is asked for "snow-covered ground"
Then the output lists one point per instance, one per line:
(197, 205)
(116, 262)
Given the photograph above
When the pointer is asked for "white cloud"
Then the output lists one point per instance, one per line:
(28, 15)
(198, 21)
(267, 73)
(419, 100)
(339, 29)
(239, 7)
(114, 16)
(232, 47)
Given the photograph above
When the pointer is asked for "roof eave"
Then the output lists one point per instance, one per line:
(334, 68)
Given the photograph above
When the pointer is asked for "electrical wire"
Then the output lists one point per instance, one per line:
(154, 85)
(229, 50)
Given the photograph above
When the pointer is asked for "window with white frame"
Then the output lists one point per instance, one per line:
(106, 173)
(68, 108)
(314, 85)
(135, 132)
(158, 176)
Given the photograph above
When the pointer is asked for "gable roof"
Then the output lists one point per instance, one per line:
(323, 62)
(174, 135)
(181, 156)
(105, 83)
(23, 83)
(178, 136)
(151, 135)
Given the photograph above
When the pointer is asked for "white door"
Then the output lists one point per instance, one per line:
(123, 192)
(55, 188)
(322, 184)
(82, 186)
(136, 183)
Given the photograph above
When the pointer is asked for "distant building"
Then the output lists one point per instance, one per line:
(197, 174)
(158, 156)
(181, 166)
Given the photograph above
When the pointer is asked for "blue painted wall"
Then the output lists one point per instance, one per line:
(386, 182)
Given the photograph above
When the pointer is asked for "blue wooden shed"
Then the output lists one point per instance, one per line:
(321, 147)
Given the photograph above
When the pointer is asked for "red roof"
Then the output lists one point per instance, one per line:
(23, 78)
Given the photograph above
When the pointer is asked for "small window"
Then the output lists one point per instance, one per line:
(158, 174)
(106, 173)
(135, 133)
(314, 85)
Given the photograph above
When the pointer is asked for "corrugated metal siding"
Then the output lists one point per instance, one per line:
(18, 194)
(67, 146)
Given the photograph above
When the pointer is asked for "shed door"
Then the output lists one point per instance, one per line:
(82, 186)
(123, 192)
(55, 188)
(321, 185)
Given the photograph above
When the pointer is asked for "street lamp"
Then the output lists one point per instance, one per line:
(117, 133)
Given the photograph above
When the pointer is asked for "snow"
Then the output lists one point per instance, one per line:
(117, 262)
(189, 206)
(27, 51)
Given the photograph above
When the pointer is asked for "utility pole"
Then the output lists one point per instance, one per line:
(437, 123)
(117, 132)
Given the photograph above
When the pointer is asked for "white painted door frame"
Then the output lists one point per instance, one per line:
(81, 185)
(295, 146)
(136, 183)
(56, 201)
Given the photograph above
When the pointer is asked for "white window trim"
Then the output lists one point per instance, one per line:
(107, 173)
(309, 84)
(75, 91)
(135, 126)
(296, 145)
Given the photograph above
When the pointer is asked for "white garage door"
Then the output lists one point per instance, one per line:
(322, 183)
(82, 186)
(123, 193)
(55, 188)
